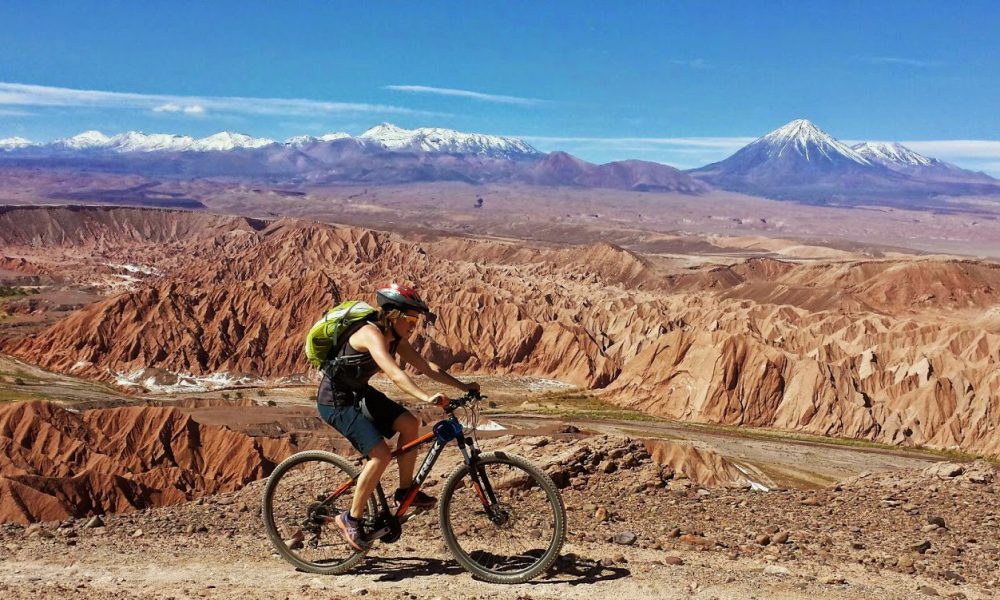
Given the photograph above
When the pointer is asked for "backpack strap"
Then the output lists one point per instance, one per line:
(335, 366)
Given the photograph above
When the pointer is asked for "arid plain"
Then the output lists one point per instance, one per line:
(845, 359)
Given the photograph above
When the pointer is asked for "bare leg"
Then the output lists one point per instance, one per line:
(407, 426)
(378, 460)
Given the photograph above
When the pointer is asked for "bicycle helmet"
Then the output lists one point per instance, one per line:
(401, 297)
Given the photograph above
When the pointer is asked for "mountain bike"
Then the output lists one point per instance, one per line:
(501, 517)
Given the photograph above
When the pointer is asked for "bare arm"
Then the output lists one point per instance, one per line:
(370, 339)
(430, 369)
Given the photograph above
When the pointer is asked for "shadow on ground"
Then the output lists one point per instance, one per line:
(568, 569)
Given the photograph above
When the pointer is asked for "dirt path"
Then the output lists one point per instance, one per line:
(235, 569)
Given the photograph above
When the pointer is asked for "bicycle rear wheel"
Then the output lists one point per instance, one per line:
(302, 497)
(519, 536)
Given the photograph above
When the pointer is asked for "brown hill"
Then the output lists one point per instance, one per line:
(91, 225)
(898, 352)
(56, 464)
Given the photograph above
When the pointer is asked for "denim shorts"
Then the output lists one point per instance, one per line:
(366, 422)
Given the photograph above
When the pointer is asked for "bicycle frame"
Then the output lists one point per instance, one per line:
(443, 433)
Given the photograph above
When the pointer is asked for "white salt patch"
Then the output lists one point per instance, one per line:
(542, 385)
(135, 268)
(167, 382)
(490, 426)
(755, 486)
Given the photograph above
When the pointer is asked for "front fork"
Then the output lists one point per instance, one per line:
(480, 481)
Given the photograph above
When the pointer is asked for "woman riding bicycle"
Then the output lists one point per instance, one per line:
(366, 416)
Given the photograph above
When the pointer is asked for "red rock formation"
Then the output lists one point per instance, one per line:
(55, 463)
(701, 465)
(897, 352)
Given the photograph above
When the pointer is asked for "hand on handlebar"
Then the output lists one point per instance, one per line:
(470, 396)
(440, 400)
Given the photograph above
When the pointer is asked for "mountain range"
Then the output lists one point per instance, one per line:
(797, 161)
(384, 154)
(383, 137)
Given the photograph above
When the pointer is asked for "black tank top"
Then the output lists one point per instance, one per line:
(357, 367)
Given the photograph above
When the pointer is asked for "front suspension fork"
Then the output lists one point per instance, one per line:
(480, 482)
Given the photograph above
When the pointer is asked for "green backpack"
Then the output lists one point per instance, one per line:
(325, 335)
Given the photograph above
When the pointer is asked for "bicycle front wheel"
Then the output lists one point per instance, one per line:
(508, 524)
(302, 497)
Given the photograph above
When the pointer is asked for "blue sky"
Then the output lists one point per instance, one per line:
(678, 82)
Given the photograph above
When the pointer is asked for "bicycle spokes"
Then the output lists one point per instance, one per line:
(304, 508)
(501, 519)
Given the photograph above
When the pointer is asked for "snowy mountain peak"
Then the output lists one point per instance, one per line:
(388, 135)
(798, 128)
(397, 139)
(892, 153)
(382, 137)
(336, 135)
(383, 129)
(82, 141)
(13, 143)
(137, 141)
(802, 137)
(228, 140)
(301, 140)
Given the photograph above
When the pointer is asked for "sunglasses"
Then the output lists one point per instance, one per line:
(431, 318)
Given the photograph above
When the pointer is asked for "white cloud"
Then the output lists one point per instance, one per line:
(696, 63)
(4, 112)
(423, 89)
(170, 107)
(906, 62)
(978, 155)
(19, 94)
(712, 143)
(680, 152)
(988, 149)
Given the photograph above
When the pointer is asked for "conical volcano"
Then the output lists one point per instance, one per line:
(797, 154)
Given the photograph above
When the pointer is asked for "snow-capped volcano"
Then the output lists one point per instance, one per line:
(84, 141)
(803, 139)
(397, 139)
(796, 155)
(800, 161)
(892, 153)
(14, 143)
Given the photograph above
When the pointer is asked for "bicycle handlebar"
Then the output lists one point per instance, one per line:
(461, 401)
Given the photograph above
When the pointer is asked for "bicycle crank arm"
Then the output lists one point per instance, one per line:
(377, 534)
(387, 530)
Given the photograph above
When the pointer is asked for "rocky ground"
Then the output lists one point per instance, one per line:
(637, 530)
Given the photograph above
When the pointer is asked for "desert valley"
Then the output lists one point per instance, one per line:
(772, 376)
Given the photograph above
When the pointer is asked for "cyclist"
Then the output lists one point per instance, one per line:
(366, 416)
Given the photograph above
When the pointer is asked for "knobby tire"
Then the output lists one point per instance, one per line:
(527, 475)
